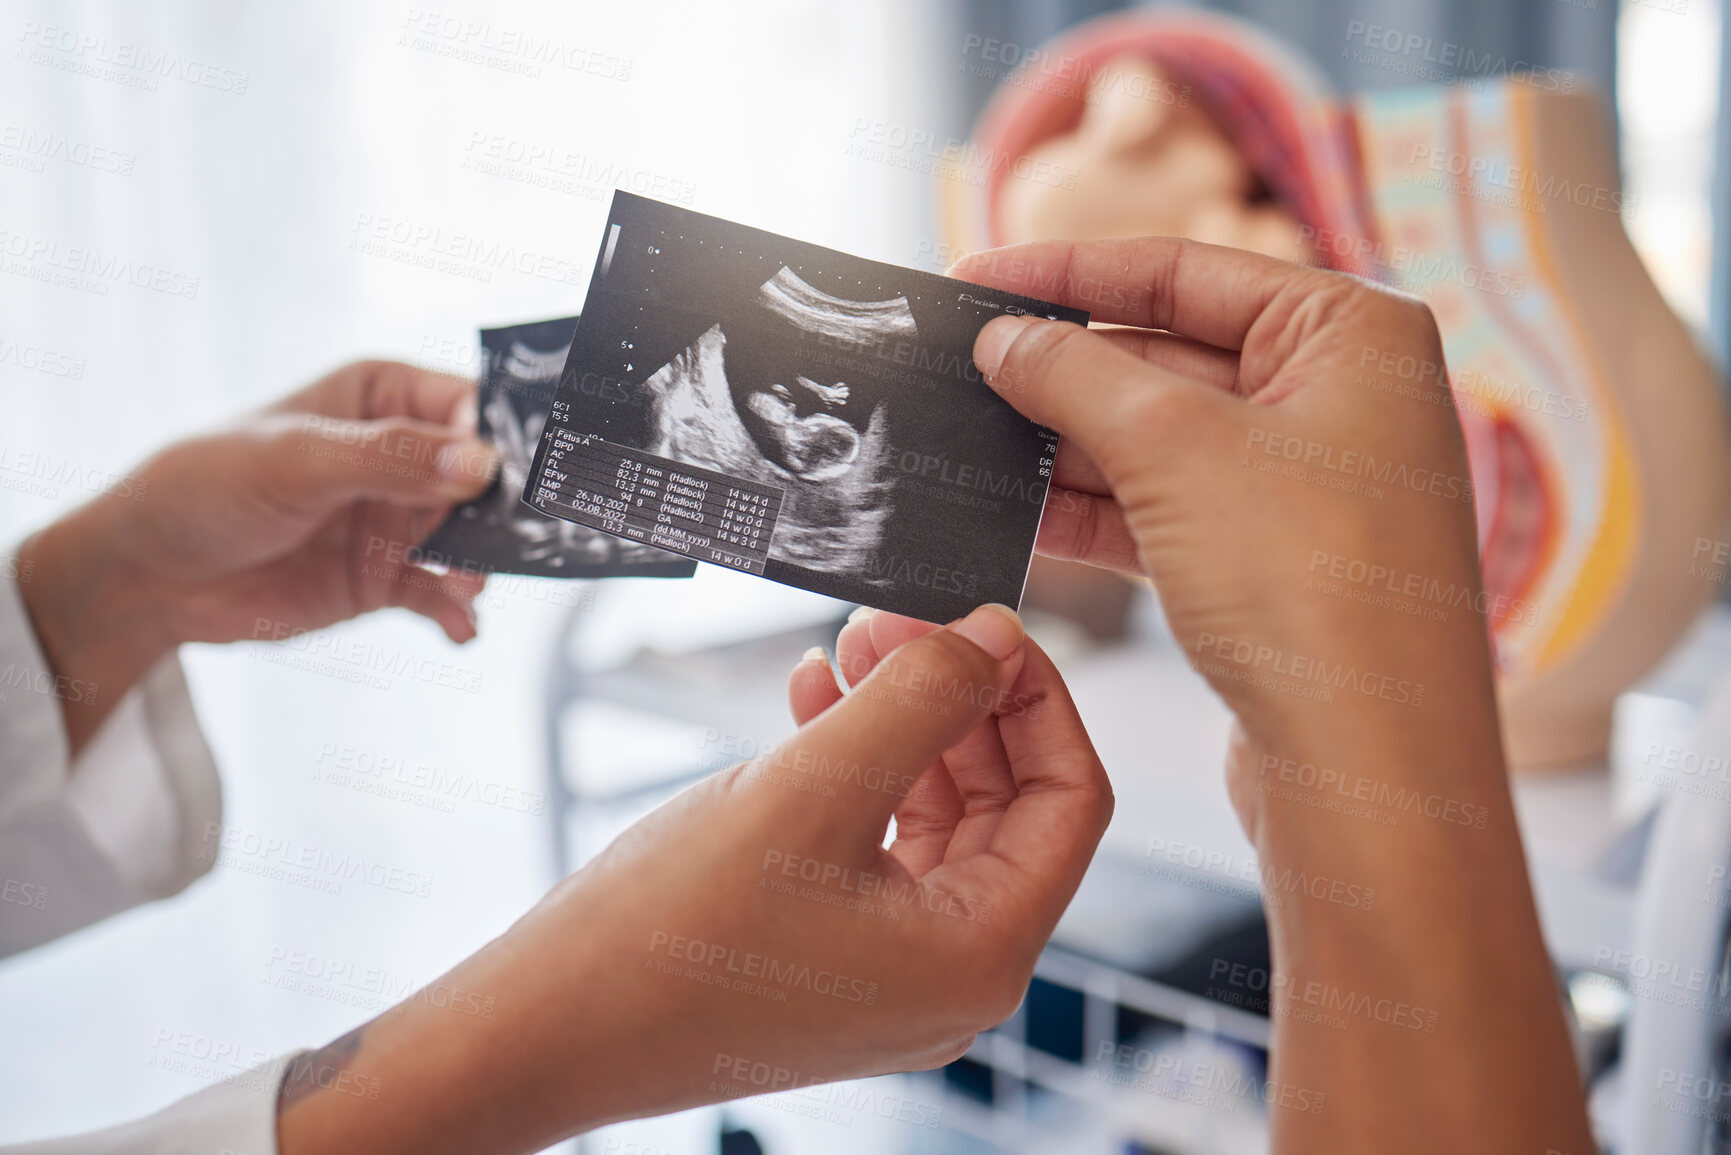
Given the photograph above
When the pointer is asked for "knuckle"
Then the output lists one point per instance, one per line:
(1155, 416)
(368, 367)
(386, 384)
(1042, 350)
(940, 658)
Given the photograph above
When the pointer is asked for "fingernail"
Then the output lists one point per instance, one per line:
(956, 264)
(995, 340)
(861, 613)
(815, 654)
(994, 628)
(468, 460)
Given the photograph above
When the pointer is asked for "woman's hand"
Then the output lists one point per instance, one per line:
(753, 934)
(299, 516)
(1233, 448)
(1276, 448)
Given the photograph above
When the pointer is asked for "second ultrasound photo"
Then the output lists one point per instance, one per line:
(497, 533)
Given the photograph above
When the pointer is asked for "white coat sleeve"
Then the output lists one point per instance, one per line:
(131, 819)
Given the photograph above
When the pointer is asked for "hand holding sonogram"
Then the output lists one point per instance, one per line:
(1224, 444)
(304, 514)
(682, 946)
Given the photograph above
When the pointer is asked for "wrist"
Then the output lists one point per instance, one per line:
(1394, 767)
(1388, 828)
(476, 1062)
(94, 616)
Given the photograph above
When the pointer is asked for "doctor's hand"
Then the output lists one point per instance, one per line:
(296, 517)
(753, 934)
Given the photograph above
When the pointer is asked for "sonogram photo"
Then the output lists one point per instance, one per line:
(776, 407)
(498, 533)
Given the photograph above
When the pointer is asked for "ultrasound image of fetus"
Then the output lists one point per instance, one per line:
(796, 434)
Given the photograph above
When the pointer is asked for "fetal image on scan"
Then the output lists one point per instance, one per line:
(802, 429)
(497, 532)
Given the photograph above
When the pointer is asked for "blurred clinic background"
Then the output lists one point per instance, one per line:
(257, 188)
